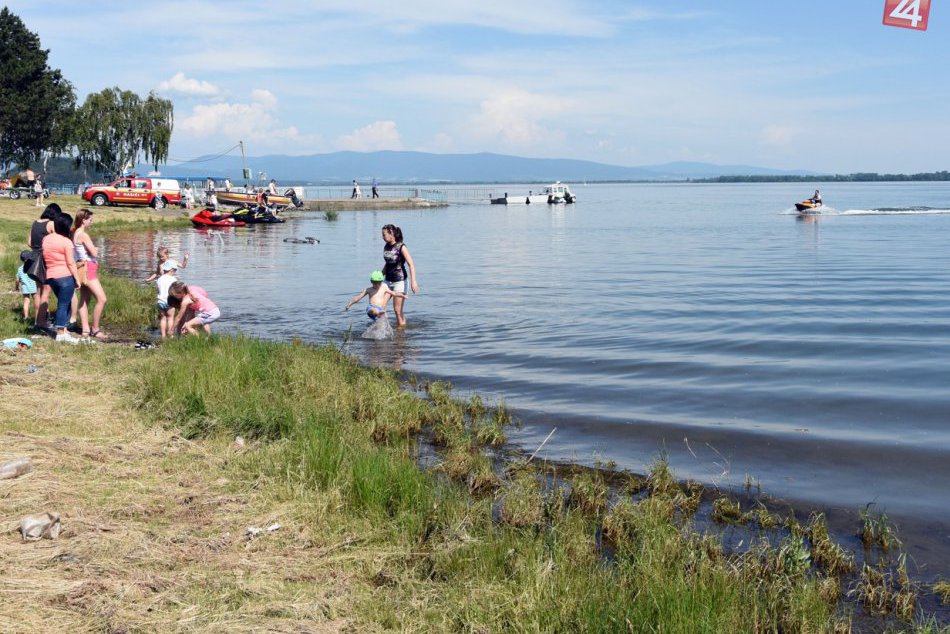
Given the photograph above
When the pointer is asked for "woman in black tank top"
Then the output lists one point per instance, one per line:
(397, 260)
(37, 266)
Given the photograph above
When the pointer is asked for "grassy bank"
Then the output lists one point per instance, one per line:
(137, 450)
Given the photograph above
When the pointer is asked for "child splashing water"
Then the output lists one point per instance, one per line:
(378, 295)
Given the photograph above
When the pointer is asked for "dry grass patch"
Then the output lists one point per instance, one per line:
(153, 525)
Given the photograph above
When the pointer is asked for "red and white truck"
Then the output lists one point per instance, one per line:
(154, 191)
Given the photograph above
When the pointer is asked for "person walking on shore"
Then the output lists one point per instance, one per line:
(38, 191)
(87, 257)
(375, 188)
(397, 258)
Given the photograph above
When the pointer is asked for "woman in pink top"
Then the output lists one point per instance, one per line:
(195, 308)
(61, 273)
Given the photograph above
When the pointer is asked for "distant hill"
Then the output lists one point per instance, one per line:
(422, 167)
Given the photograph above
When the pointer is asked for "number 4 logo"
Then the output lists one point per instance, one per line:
(908, 14)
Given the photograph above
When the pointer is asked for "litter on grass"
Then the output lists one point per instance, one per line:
(15, 468)
(36, 527)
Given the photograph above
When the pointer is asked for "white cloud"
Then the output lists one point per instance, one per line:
(379, 135)
(264, 98)
(254, 121)
(187, 86)
(514, 118)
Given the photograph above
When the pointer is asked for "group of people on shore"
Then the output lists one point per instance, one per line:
(62, 259)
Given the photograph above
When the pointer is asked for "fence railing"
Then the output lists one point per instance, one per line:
(448, 194)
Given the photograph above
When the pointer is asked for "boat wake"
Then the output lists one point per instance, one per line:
(879, 211)
(895, 211)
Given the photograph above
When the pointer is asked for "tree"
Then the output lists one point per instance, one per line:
(114, 127)
(36, 102)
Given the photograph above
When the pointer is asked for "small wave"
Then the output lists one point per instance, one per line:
(894, 211)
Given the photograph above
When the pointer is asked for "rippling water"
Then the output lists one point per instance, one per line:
(704, 320)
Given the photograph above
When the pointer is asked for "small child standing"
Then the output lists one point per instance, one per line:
(378, 294)
(26, 285)
(194, 308)
(163, 256)
(166, 313)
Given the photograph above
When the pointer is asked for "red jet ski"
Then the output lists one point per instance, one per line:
(208, 218)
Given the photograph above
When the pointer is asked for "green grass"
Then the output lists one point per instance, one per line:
(510, 557)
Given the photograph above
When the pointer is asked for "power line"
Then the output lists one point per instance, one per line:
(205, 159)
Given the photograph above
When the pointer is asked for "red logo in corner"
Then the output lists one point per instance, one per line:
(907, 14)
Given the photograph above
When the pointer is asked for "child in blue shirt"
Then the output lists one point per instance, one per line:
(26, 285)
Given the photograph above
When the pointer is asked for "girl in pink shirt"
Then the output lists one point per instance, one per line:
(195, 308)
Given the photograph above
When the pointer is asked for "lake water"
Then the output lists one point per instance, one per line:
(706, 321)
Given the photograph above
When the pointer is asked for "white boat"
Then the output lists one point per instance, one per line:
(559, 193)
(553, 194)
(521, 199)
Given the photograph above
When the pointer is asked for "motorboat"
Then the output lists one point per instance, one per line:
(521, 199)
(552, 194)
(254, 198)
(559, 193)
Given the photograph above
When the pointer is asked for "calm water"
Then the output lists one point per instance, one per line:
(703, 320)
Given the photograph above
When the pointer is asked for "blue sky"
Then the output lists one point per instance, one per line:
(811, 84)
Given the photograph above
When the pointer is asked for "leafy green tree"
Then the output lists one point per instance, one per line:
(36, 102)
(115, 127)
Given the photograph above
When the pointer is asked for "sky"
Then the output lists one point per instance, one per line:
(810, 84)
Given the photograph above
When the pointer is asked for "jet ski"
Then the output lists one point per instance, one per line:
(257, 215)
(808, 207)
(208, 218)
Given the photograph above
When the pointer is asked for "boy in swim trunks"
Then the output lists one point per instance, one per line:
(378, 295)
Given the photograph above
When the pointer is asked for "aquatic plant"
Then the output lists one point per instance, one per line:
(878, 531)
(828, 555)
(942, 589)
(726, 511)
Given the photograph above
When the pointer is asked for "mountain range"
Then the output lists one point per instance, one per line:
(423, 167)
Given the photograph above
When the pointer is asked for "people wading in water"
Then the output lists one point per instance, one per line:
(397, 258)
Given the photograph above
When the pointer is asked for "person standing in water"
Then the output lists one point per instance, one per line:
(397, 258)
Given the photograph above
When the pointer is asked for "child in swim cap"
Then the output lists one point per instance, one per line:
(378, 294)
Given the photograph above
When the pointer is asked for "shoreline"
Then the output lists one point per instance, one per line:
(288, 456)
(364, 204)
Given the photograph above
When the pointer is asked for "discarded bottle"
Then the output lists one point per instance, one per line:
(15, 468)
